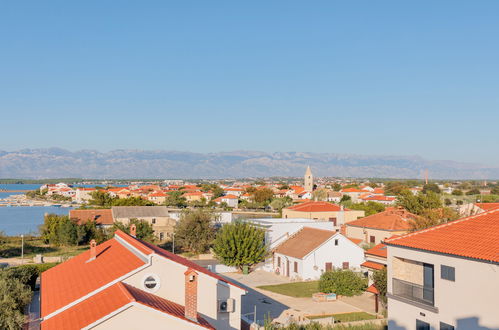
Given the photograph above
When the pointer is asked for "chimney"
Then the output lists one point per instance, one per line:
(93, 250)
(133, 230)
(343, 230)
(191, 295)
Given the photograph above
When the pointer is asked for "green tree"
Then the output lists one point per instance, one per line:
(195, 230)
(319, 194)
(14, 297)
(101, 198)
(379, 278)
(131, 201)
(457, 192)
(342, 282)
(418, 204)
(395, 188)
(279, 203)
(144, 230)
(447, 202)
(369, 208)
(336, 186)
(240, 244)
(59, 230)
(431, 187)
(176, 199)
(263, 195)
(345, 198)
(495, 190)
(473, 191)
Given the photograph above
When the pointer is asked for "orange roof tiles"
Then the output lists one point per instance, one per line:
(352, 190)
(64, 283)
(305, 241)
(148, 248)
(230, 197)
(109, 300)
(315, 207)
(100, 216)
(373, 265)
(487, 206)
(372, 289)
(378, 250)
(472, 237)
(355, 240)
(390, 220)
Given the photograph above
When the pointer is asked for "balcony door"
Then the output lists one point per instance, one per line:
(428, 282)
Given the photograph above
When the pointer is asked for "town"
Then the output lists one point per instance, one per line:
(267, 253)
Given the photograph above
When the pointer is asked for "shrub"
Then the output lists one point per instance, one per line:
(27, 274)
(342, 282)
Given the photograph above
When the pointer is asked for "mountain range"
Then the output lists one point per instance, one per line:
(122, 164)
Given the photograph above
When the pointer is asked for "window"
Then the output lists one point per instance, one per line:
(336, 242)
(346, 265)
(448, 273)
(445, 326)
(161, 236)
(278, 261)
(421, 325)
(151, 282)
(372, 239)
(296, 267)
(153, 221)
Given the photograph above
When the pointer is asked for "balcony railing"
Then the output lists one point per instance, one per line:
(413, 292)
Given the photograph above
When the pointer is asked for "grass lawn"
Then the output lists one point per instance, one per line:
(10, 247)
(296, 289)
(346, 317)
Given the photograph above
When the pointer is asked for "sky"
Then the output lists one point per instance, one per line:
(358, 77)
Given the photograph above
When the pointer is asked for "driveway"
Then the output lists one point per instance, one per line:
(273, 304)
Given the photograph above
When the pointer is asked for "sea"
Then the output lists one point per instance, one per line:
(17, 220)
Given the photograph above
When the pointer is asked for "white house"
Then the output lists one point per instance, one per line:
(311, 252)
(230, 200)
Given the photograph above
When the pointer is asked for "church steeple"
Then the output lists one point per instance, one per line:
(309, 180)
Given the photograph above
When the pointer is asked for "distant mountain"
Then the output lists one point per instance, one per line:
(120, 164)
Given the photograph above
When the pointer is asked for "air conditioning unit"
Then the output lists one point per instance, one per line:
(226, 305)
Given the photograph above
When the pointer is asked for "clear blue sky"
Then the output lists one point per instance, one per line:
(364, 77)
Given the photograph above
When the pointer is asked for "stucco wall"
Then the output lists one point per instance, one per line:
(380, 235)
(210, 290)
(136, 317)
(470, 301)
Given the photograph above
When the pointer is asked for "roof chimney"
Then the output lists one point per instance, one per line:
(191, 295)
(93, 250)
(133, 230)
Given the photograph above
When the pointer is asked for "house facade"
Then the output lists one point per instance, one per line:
(311, 251)
(158, 217)
(125, 283)
(322, 211)
(375, 228)
(446, 276)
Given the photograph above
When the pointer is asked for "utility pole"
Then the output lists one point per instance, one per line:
(22, 249)
(173, 244)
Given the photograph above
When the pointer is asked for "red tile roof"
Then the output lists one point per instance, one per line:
(67, 282)
(372, 289)
(391, 220)
(230, 197)
(100, 216)
(347, 190)
(355, 240)
(487, 206)
(303, 242)
(315, 207)
(379, 198)
(148, 248)
(109, 300)
(373, 265)
(378, 250)
(474, 237)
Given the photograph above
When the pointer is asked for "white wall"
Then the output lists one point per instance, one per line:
(472, 297)
(313, 265)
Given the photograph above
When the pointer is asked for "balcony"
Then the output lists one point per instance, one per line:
(413, 292)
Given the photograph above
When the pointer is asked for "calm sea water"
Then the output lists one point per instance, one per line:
(17, 220)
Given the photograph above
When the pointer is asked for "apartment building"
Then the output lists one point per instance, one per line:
(446, 277)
